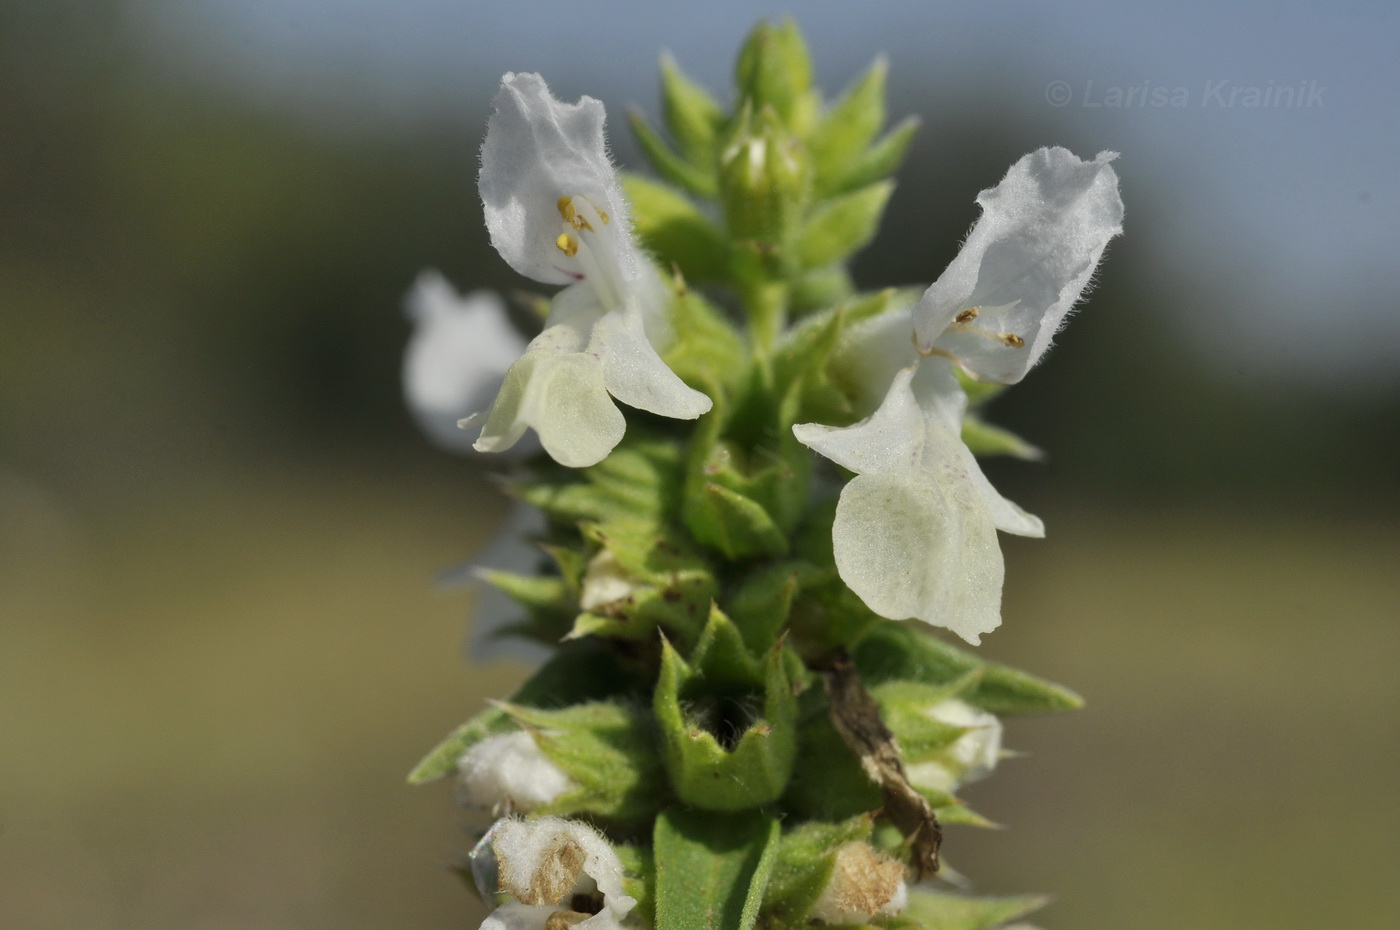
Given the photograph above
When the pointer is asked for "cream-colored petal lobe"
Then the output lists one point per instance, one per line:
(636, 375)
(890, 438)
(561, 395)
(569, 406)
(913, 545)
(505, 422)
(1025, 263)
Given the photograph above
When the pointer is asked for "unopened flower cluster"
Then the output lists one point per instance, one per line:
(748, 469)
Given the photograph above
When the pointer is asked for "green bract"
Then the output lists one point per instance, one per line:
(751, 471)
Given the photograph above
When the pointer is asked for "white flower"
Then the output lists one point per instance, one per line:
(553, 867)
(915, 531)
(457, 356)
(556, 213)
(510, 772)
(863, 884)
(971, 756)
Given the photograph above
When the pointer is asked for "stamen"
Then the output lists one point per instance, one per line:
(1013, 340)
(567, 244)
(933, 350)
(571, 216)
(967, 316)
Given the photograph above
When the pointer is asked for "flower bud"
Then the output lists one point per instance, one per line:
(509, 771)
(556, 863)
(864, 883)
(970, 757)
(765, 176)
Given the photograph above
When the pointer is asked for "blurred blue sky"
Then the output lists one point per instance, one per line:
(1276, 224)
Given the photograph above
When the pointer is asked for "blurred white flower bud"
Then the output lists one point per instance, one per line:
(509, 771)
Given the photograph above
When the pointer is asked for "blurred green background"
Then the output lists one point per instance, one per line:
(220, 645)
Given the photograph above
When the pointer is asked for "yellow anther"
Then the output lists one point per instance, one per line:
(604, 217)
(570, 214)
(567, 244)
(1013, 340)
(967, 316)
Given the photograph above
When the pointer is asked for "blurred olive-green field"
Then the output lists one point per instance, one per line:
(221, 643)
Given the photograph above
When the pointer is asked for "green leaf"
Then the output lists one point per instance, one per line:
(708, 353)
(881, 159)
(985, 439)
(904, 706)
(736, 525)
(640, 480)
(722, 658)
(550, 595)
(674, 230)
(711, 869)
(762, 602)
(890, 651)
(820, 288)
(842, 225)
(850, 126)
(579, 672)
(828, 782)
(691, 114)
(667, 163)
(941, 911)
(639, 880)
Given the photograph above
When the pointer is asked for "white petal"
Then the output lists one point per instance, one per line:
(456, 358)
(516, 916)
(1026, 262)
(537, 150)
(562, 396)
(921, 544)
(636, 375)
(936, 390)
(510, 769)
(891, 438)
